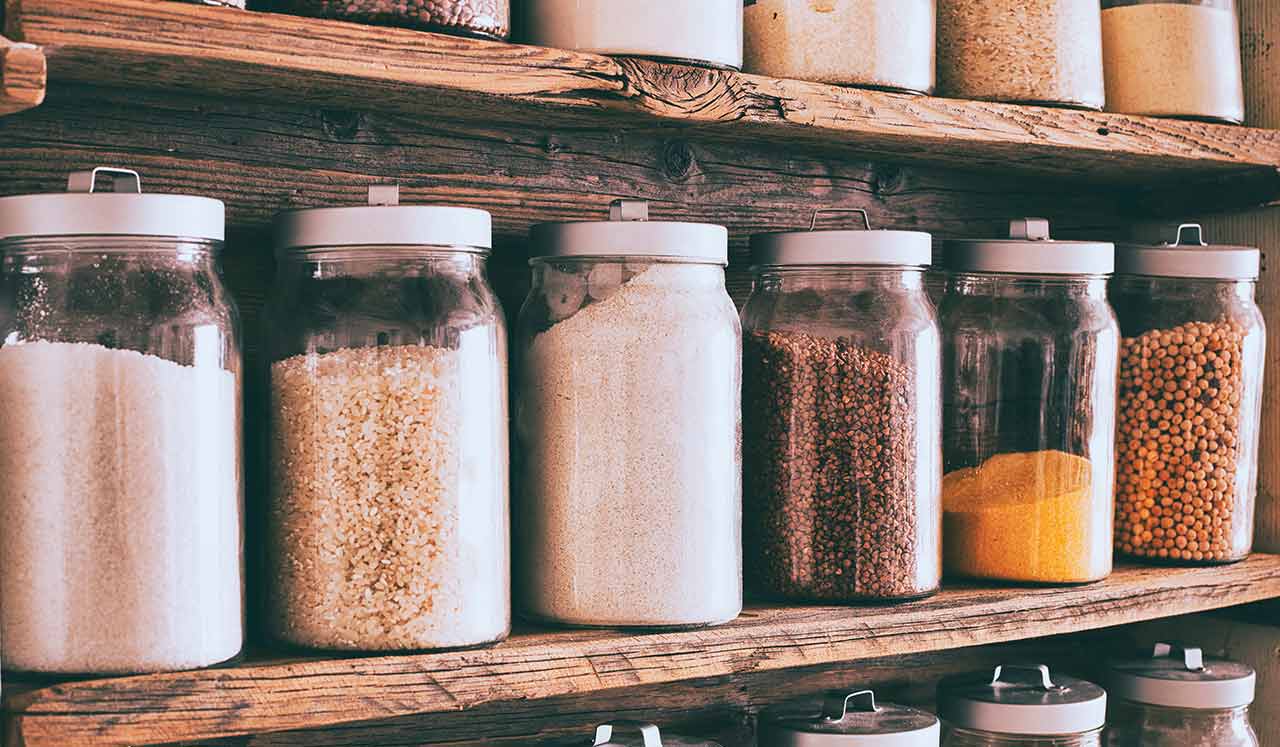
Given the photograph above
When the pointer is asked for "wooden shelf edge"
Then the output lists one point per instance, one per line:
(182, 47)
(23, 76)
(265, 696)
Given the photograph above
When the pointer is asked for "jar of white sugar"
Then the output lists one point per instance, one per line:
(120, 476)
(387, 521)
(628, 416)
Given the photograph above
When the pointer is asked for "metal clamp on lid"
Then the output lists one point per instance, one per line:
(1039, 676)
(1182, 677)
(848, 719)
(1024, 700)
(1181, 252)
(629, 233)
(1030, 250)
(857, 246)
(383, 222)
(649, 733)
(122, 180)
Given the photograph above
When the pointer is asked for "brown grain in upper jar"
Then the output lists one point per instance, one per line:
(484, 18)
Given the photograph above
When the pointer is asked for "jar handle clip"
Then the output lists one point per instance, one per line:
(648, 732)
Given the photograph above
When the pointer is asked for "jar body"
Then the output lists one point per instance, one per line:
(1173, 58)
(1139, 725)
(387, 523)
(842, 435)
(1191, 372)
(975, 738)
(120, 457)
(874, 43)
(1029, 394)
(1021, 51)
(488, 19)
(629, 418)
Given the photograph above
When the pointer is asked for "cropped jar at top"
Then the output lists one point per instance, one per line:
(1021, 706)
(844, 719)
(487, 19)
(628, 416)
(885, 44)
(1173, 58)
(639, 734)
(1021, 51)
(1029, 399)
(120, 470)
(1191, 372)
(387, 520)
(1177, 697)
(842, 426)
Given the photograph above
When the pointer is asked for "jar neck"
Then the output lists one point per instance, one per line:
(1092, 287)
(1186, 288)
(52, 251)
(329, 263)
(975, 737)
(844, 278)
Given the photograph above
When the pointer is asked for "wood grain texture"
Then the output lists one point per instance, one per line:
(311, 692)
(23, 76)
(175, 46)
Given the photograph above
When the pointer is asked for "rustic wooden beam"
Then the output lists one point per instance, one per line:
(23, 76)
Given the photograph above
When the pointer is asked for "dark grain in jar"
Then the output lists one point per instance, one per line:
(487, 18)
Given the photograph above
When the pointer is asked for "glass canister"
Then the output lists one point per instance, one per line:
(639, 734)
(120, 444)
(488, 19)
(885, 44)
(1176, 697)
(1191, 369)
(1029, 401)
(842, 417)
(387, 525)
(1173, 58)
(1021, 51)
(628, 416)
(1021, 706)
(848, 720)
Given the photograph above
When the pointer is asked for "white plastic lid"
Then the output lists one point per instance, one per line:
(1183, 253)
(385, 222)
(1029, 250)
(849, 720)
(1178, 677)
(857, 247)
(123, 211)
(640, 734)
(1022, 700)
(630, 233)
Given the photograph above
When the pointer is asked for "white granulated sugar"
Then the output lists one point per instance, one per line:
(120, 524)
(389, 512)
(630, 422)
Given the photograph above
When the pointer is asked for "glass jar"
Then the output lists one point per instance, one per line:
(1029, 393)
(639, 734)
(387, 525)
(1021, 51)
(1021, 706)
(848, 720)
(628, 416)
(486, 19)
(885, 44)
(1176, 697)
(842, 425)
(1191, 369)
(1173, 58)
(120, 445)
(706, 32)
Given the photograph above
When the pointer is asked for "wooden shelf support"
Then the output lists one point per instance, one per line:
(23, 76)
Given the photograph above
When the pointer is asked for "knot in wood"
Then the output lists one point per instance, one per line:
(339, 124)
(677, 161)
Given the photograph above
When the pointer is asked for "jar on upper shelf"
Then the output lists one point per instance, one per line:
(639, 734)
(488, 19)
(1021, 51)
(1173, 58)
(1177, 697)
(1030, 359)
(886, 44)
(705, 32)
(1021, 706)
(842, 425)
(1190, 410)
(120, 442)
(387, 521)
(847, 720)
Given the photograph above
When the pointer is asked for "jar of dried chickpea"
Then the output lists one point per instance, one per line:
(1191, 365)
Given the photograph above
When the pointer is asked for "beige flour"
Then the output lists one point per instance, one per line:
(120, 524)
(630, 421)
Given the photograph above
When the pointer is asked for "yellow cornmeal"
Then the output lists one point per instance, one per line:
(1024, 517)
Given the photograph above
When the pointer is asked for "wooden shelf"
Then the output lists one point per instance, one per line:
(142, 44)
(267, 695)
(22, 76)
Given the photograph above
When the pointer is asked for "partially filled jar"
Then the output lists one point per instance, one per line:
(885, 44)
(1029, 401)
(1177, 697)
(1021, 51)
(387, 522)
(847, 720)
(488, 19)
(1173, 58)
(120, 467)
(1021, 706)
(1190, 411)
(628, 415)
(842, 425)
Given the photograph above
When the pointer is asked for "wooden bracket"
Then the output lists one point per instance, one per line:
(23, 76)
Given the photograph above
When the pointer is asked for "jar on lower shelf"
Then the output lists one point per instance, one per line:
(1021, 706)
(489, 19)
(637, 734)
(843, 719)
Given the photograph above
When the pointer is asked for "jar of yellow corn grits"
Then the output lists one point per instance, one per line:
(1029, 394)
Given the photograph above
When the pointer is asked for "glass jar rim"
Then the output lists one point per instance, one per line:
(648, 259)
(98, 243)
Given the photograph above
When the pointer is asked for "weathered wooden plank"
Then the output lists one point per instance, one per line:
(22, 76)
(174, 46)
(315, 692)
